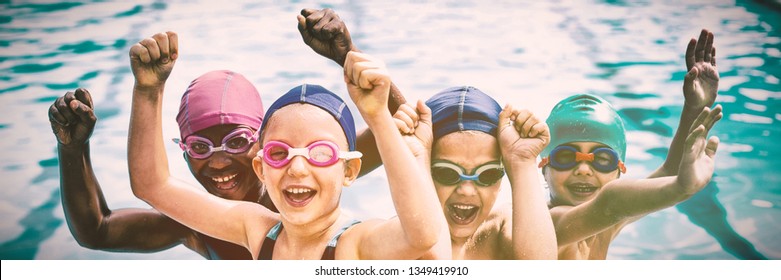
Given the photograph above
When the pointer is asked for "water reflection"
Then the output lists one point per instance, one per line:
(526, 53)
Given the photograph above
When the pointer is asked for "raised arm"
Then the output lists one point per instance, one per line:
(521, 139)
(152, 60)
(418, 226)
(624, 200)
(91, 222)
(416, 127)
(327, 35)
(700, 88)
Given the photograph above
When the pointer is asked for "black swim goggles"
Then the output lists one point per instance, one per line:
(448, 173)
(602, 159)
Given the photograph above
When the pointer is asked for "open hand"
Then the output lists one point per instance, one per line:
(701, 84)
(72, 118)
(697, 163)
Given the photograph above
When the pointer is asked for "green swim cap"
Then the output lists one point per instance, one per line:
(586, 118)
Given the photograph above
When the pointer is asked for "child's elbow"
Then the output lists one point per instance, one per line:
(145, 187)
(426, 239)
(140, 190)
(424, 244)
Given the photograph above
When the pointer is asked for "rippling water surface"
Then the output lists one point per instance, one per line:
(529, 54)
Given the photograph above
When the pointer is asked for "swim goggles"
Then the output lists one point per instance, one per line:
(320, 153)
(602, 159)
(237, 141)
(447, 173)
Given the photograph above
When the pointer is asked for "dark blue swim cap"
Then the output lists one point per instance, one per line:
(323, 99)
(463, 108)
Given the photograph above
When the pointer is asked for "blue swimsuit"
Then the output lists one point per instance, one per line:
(267, 250)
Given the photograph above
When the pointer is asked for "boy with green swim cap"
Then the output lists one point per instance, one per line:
(589, 205)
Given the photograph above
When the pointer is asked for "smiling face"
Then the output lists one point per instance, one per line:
(466, 205)
(579, 184)
(224, 174)
(301, 191)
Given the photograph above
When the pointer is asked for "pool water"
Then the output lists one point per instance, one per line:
(530, 54)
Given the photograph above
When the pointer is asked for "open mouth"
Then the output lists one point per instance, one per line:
(225, 182)
(298, 196)
(581, 189)
(462, 214)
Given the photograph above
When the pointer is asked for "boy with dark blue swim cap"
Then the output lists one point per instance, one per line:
(589, 204)
(474, 143)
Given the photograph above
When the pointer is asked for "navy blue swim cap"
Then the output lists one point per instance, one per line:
(323, 99)
(463, 108)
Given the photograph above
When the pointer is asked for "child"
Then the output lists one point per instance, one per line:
(475, 142)
(229, 117)
(309, 122)
(589, 206)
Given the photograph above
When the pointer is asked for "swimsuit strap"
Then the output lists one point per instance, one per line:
(223, 250)
(267, 249)
(330, 250)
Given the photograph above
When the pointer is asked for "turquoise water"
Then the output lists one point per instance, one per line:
(528, 54)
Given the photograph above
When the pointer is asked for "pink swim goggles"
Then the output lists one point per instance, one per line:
(320, 153)
(237, 141)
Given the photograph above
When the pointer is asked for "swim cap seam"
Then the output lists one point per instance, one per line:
(303, 93)
(225, 97)
(461, 104)
(339, 111)
(187, 113)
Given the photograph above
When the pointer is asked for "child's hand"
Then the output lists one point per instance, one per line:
(153, 58)
(522, 136)
(701, 84)
(72, 118)
(368, 82)
(697, 164)
(416, 128)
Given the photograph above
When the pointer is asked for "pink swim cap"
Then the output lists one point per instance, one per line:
(219, 97)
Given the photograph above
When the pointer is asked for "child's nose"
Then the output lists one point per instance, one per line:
(584, 168)
(467, 188)
(298, 167)
(220, 160)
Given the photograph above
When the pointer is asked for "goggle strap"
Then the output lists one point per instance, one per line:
(350, 155)
(180, 143)
(544, 162)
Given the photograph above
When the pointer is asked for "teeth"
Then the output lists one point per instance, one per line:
(464, 207)
(224, 179)
(298, 190)
(583, 188)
